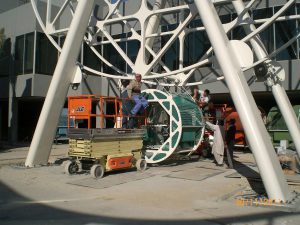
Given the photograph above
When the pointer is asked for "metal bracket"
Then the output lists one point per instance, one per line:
(275, 74)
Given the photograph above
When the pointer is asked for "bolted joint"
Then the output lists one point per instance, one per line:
(275, 74)
(261, 71)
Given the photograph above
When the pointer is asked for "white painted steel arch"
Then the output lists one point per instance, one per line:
(149, 20)
(49, 22)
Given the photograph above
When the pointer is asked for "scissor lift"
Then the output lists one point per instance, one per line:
(98, 143)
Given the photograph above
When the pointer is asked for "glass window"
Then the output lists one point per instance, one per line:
(225, 18)
(238, 33)
(46, 55)
(62, 41)
(195, 46)
(89, 57)
(19, 54)
(196, 23)
(284, 31)
(133, 48)
(262, 13)
(267, 36)
(171, 57)
(5, 53)
(112, 56)
(29, 48)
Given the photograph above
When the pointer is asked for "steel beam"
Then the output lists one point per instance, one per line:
(278, 91)
(152, 27)
(259, 141)
(44, 134)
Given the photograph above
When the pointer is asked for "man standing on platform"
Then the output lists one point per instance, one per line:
(134, 92)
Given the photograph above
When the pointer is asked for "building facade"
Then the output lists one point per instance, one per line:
(28, 59)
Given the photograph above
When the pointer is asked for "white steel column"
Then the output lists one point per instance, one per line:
(259, 141)
(152, 27)
(40, 147)
(278, 91)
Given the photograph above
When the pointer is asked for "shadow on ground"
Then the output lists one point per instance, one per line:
(6, 147)
(16, 209)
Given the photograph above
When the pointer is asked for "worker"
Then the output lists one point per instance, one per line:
(134, 92)
(211, 113)
(218, 144)
(230, 141)
(201, 97)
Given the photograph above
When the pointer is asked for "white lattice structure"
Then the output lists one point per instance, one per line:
(233, 57)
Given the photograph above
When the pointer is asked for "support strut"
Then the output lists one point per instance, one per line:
(259, 141)
(44, 134)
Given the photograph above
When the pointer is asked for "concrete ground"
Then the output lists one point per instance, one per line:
(177, 192)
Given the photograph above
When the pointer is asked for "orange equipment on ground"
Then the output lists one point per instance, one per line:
(225, 113)
(240, 138)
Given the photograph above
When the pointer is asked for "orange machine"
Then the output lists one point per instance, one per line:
(225, 113)
(240, 138)
(92, 111)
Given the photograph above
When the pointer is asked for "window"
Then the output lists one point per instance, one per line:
(133, 48)
(284, 31)
(238, 33)
(195, 46)
(195, 23)
(267, 36)
(5, 52)
(89, 57)
(29, 50)
(46, 55)
(112, 56)
(19, 54)
(171, 57)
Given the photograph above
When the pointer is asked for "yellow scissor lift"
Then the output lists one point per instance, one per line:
(102, 150)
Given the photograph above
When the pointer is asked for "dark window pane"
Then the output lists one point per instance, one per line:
(195, 46)
(62, 41)
(133, 48)
(112, 56)
(195, 23)
(262, 13)
(46, 55)
(267, 37)
(29, 48)
(284, 31)
(89, 57)
(19, 54)
(225, 18)
(5, 57)
(171, 57)
(290, 11)
(238, 33)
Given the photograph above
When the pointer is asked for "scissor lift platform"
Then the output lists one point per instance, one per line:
(103, 150)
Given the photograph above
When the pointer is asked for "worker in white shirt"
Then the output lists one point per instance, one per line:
(201, 97)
